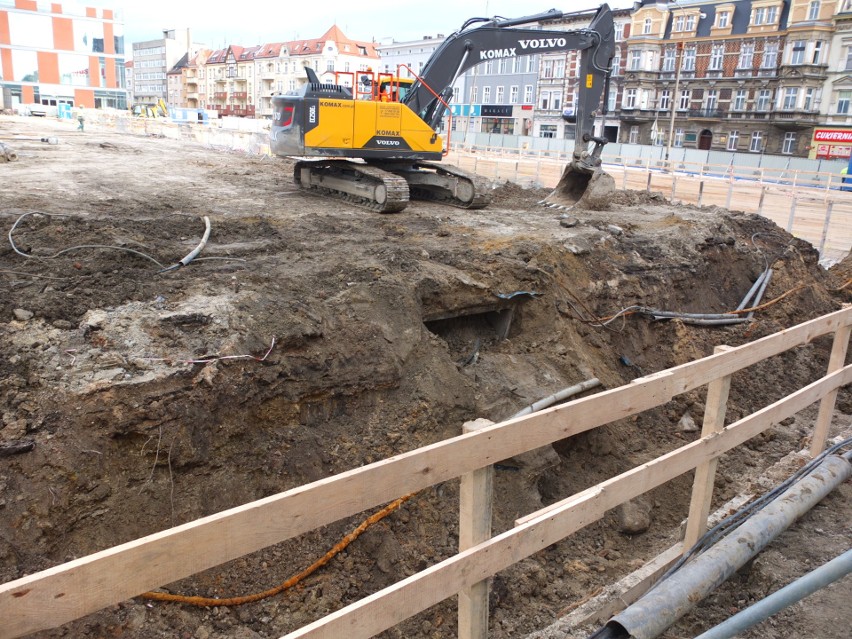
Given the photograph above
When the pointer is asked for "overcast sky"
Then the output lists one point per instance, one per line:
(248, 22)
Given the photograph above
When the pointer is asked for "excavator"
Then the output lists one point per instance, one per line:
(379, 153)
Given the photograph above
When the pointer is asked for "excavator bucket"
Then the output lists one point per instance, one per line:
(581, 188)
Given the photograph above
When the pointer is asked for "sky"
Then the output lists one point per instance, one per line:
(248, 22)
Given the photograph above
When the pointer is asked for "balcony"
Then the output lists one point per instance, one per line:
(794, 120)
(239, 95)
(220, 96)
(706, 114)
(635, 114)
(239, 79)
(237, 111)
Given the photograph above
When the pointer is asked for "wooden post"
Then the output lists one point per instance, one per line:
(825, 229)
(648, 186)
(624, 175)
(826, 405)
(700, 191)
(760, 202)
(792, 217)
(705, 474)
(730, 193)
(674, 187)
(475, 498)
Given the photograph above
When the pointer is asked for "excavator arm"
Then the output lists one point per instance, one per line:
(500, 38)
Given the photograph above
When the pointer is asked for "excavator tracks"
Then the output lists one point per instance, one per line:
(446, 184)
(359, 184)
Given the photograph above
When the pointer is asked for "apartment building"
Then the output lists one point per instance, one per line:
(152, 60)
(66, 53)
(832, 137)
(743, 75)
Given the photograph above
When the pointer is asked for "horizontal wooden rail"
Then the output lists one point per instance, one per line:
(386, 608)
(69, 591)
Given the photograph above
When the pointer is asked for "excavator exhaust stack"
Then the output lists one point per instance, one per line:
(581, 188)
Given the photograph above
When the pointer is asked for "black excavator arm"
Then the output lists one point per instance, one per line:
(499, 38)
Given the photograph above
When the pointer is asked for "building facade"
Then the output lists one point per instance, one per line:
(52, 54)
(742, 75)
(153, 59)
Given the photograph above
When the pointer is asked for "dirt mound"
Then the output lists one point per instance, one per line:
(311, 337)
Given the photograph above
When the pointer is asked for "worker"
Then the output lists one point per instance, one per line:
(80, 118)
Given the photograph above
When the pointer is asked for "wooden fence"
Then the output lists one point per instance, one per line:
(811, 206)
(55, 596)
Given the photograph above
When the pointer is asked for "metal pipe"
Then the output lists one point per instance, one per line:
(791, 593)
(558, 397)
(715, 322)
(672, 598)
(675, 314)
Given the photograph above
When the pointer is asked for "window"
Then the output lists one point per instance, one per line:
(770, 56)
(685, 96)
(630, 99)
(665, 100)
(759, 16)
(547, 131)
(690, 23)
(670, 55)
(559, 70)
(844, 98)
(619, 31)
(809, 99)
(635, 60)
(528, 94)
(611, 99)
(513, 95)
(532, 61)
(547, 68)
(679, 21)
(711, 100)
(797, 54)
(502, 65)
(716, 56)
(556, 100)
(678, 138)
(849, 59)
(634, 135)
(498, 98)
(746, 55)
(813, 10)
(688, 59)
(764, 98)
(791, 96)
(616, 63)
(722, 19)
(771, 15)
(473, 95)
(817, 52)
(329, 65)
(789, 145)
(733, 139)
(756, 145)
(739, 103)
(646, 27)
(486, 95)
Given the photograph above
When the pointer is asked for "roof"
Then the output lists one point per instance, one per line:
(739, 21)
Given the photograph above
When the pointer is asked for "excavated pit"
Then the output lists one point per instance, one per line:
(324, 337)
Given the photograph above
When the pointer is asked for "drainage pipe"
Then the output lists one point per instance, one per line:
(808, 584)
(672, 598)
(565, 393)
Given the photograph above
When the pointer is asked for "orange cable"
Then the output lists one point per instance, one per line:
(292, 581)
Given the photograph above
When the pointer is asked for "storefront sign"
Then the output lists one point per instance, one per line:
(496, 111)
(832, 144)
(838, 136)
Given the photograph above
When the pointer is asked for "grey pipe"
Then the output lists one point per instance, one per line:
(752, 290)
(558, 397)
(715, 322)
(672, 598)
(676, 315)
(808, 584)
(760, 293)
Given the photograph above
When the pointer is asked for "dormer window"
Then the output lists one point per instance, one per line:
(646, 27)
(813, 10)
(723, 19)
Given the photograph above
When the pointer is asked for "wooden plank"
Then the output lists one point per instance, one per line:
(826, 406)
(475, 501)
(705, 475)
(60, 594)
(386, 608)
